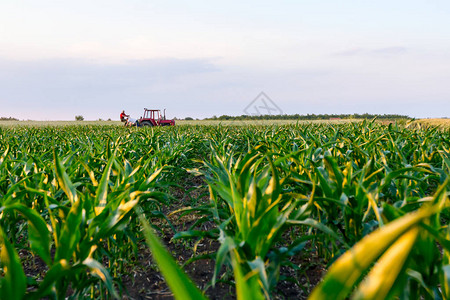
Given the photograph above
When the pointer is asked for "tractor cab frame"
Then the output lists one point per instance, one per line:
(153, 117)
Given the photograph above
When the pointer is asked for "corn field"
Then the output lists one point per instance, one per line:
(367, 202)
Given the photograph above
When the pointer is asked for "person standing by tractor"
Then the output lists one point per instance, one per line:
(124, 117)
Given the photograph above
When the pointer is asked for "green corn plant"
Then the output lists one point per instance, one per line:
(392, 248)
(13, 282)
(347, 182)
(82, 227)
(250, 212)
(247, 285)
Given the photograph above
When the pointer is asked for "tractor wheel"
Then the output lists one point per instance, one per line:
(146, 123)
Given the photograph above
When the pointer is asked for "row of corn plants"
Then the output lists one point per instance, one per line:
(67, 199)
(343, 186)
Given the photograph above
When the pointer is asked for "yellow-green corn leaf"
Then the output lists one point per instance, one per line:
(348, 269)
(5, 153)
(379, 281)
(70, 233)
(13, 282)
(100, 271)
(64, 180)
(90, 172)
(102, 188)
(247, 286)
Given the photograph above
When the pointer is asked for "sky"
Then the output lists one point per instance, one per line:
(199, 58)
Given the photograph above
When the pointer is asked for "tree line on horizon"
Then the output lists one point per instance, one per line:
(311, 117)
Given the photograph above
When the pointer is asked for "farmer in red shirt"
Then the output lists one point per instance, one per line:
(123, 116)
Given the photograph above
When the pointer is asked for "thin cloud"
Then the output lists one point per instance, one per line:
(386, 51)
(350, 52)
(390, 51)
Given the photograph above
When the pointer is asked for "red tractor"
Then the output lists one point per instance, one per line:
(153, 117)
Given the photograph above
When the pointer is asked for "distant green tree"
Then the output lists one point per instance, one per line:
(79, 118)
(188, 118)
(311, 117)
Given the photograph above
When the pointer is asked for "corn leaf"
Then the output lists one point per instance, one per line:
(180, 284)
(38, 233)
(381, 278)
(348, 269)
(13, 283)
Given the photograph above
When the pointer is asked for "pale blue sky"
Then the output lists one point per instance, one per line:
(59, 58)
